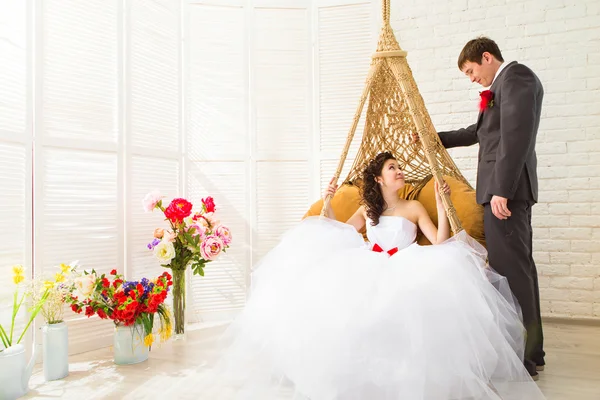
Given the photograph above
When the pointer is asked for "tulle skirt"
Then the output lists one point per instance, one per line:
(328, 318)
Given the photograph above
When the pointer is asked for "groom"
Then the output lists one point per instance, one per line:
(507, 186)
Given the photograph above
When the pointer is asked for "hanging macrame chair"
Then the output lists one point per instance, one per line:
(395, 112)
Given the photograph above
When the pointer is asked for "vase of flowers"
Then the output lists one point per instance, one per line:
(55, 341)
(55, 334)
(15, 370)
(128, 344)
(193, 238)
(131, 305)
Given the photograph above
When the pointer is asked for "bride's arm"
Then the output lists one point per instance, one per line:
(442, 232)
(330, 191)
(358, 219)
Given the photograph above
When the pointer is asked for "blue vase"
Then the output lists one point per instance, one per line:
(56, 351)
(128, 344)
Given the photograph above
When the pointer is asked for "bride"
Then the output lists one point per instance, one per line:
(331, 316)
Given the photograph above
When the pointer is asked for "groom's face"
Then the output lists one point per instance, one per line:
(481, 73)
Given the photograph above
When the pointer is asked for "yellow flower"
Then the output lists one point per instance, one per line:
(48, 285)
(166, 332)
(148, 340)
(65, 269)
(18, 279)
(17, 269)
(59, 277)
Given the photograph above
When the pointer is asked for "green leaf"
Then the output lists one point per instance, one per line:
(4, 337)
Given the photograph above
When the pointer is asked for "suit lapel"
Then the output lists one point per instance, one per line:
(499, 78)
(479, 120)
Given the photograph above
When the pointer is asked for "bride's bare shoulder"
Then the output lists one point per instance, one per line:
(414, 205)
(415, 209)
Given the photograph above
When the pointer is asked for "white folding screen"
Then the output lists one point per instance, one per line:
(217, 145)
(282, 86)
(15, 150)
(153, 106)
(108, 130)
(248, 139)
(78, 171)
(345, 42)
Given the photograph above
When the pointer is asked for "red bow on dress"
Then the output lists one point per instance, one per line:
(378, 249)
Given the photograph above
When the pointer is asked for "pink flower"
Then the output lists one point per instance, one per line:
(224, 233)
(212, 220)
(169, 236)
(199, 230)
(202, 221)
(211, 247)
(151, 200)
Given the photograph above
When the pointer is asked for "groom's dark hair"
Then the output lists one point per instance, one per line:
(474, 49)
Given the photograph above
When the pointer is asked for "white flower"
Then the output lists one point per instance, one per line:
(151, 200)
(84, 286)
(164, 251)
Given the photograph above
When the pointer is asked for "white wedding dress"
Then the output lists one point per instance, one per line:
(329, 318)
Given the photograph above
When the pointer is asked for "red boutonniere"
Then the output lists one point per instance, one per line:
(487, 100)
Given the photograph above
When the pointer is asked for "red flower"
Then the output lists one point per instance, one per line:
(101, 313)
(105, 282)
(178, 210)
(89, 311)
(75, 309)
(209, 204)
(113, 272)
(487, 100)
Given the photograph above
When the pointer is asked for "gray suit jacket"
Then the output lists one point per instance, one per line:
(506, 133)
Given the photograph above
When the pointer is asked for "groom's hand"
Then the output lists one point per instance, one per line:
(500, 207)
(414, 138)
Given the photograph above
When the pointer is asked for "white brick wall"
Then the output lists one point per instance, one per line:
(560, 41)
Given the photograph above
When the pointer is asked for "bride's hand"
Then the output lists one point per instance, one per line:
(445, 188)
(331, 189)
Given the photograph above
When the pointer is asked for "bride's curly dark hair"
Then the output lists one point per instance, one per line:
(372, 197)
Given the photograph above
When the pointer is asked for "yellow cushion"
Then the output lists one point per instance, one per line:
(468, 211)
(344, 204)
(347, 200)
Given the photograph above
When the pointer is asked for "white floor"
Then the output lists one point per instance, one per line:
(573, 371)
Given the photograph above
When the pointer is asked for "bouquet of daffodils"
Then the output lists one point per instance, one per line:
(7, 332)
(57, 290)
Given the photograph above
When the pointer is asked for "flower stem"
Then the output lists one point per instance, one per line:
(179, 300)
(4, 337)
(34, 313)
